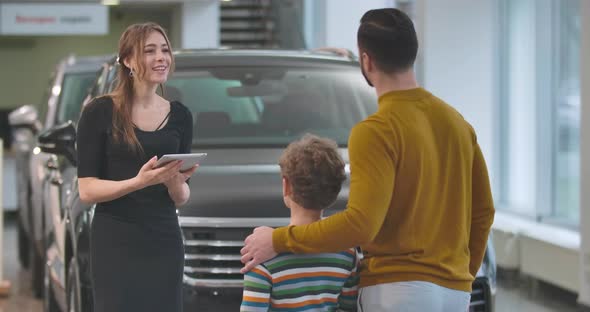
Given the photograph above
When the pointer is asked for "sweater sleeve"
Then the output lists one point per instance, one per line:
(482, 214)
(372, 166)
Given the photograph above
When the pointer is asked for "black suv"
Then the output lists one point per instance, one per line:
(247, 106)
(67, 87)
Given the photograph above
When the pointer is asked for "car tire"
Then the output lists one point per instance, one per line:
(37, 272)
(73, 291)
(49, 303)
(23, 245)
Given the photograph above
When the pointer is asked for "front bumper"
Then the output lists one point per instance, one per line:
(482, 297)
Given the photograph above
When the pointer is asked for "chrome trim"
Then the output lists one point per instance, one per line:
(242, 169)
(188, 222)
(212, 270)
(46, 145)
(231, 222)
(213, 257)
(213, 283)
(213, 243)
(273, 54)
(247, 169)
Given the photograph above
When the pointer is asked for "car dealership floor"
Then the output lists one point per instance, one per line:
(513, 295)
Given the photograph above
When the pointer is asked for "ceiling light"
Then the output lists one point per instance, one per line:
(110, 2)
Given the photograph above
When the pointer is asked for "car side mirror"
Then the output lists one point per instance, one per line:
(25, 116)
(60, 140)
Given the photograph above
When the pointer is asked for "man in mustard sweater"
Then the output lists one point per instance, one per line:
(420, 204)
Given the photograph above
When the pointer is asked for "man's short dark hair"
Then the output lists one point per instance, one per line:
(314, 169)
(389, 38)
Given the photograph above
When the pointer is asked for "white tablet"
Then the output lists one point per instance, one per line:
(188, 160)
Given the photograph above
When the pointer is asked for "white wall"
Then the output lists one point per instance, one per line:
(584, 297)
(314, 26)
(457, 55)
(200, 24)
(335, 22)
(458, 49)
(342, 24)
(522, 107)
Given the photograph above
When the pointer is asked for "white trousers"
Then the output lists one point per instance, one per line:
(412, 296)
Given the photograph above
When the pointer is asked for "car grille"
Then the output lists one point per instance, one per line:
(480, 301)
(212, 249)
(212, 255)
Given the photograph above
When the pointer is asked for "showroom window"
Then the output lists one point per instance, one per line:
(539, 121)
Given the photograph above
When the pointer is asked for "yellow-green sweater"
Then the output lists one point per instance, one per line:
(420, 204)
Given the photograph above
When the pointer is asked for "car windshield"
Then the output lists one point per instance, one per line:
(74, 88)
(270, 106)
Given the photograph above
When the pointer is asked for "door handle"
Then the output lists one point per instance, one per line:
(57, 181)
(51, 163)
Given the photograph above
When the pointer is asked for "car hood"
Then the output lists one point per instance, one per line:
(242, 183)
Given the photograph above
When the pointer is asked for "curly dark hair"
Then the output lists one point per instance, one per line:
(314, 169)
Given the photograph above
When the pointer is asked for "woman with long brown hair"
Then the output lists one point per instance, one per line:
(136, 245)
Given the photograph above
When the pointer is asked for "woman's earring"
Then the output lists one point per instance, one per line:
(131, 73)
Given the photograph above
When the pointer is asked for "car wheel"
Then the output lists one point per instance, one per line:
(73, 288)
(49, 303)
(23, 246)
(37, 271)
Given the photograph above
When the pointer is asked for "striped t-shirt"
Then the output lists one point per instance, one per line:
(303, 282)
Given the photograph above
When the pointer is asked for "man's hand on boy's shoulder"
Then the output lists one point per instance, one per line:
(258, 248)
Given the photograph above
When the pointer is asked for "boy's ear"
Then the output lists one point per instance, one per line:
(286, 187)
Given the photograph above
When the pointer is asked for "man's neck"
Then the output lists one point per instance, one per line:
(395, 82)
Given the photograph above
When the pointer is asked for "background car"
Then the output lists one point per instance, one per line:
(247, 107)
(62, 101)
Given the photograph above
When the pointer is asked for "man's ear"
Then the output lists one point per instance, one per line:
(367, 61)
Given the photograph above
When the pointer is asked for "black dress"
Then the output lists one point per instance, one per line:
(137, 255)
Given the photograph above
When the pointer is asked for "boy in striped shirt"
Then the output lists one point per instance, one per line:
(313, 173)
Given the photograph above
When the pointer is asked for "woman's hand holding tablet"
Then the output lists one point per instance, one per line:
(188, 160)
